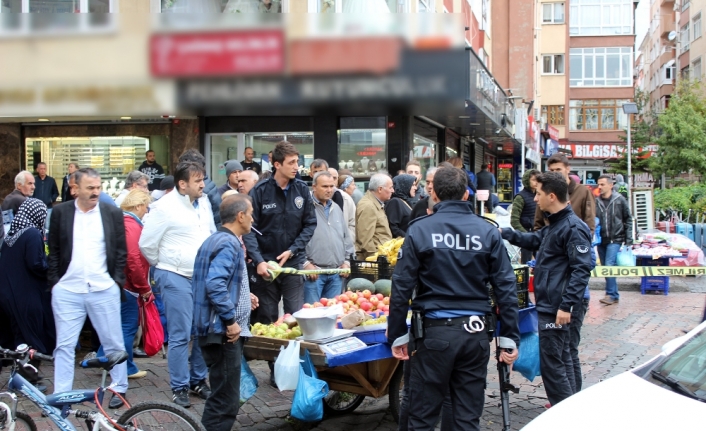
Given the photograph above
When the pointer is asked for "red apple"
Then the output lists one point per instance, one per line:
(386, 300)
(366, 294)
(317, 304)
(380, 296)
(307, 305)
(374, 300)
(366, 306)
(353, 296)
(343, 298)
(323, 301)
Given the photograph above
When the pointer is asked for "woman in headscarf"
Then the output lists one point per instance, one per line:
(399, 208)
(24, 295)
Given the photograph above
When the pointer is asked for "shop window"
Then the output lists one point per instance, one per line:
(553, 114)
(553, 13)
(603, 114)
(601, 17)
(113, 157)
(362, 145)
(553, 64)
(37, 17)
(600, 67)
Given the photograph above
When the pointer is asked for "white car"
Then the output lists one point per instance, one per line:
(666, 393)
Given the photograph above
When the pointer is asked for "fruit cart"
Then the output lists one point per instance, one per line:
(368, 372)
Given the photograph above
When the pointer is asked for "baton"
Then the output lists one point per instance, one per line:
(276, 270)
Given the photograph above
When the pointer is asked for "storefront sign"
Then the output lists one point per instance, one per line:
(643, 181)
(217, 54)
(588, 151)
(553, 132)
(533, 156)
(423, 152)
(370, 151)
(487, 87)
(504, 165)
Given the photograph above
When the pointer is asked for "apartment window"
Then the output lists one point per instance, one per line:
(484, 14)
(36, 17)
(553, 13)
(599, 114)
(696, 26)
(553, 64)
(669, 73)
(600, 17)
(685, 73)
(424, 6)
(600, 67)
(685, 5)
(553, 114)
(696, 69)
(684, 37)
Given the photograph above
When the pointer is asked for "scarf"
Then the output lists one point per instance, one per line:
(403, 184)
(31, 214)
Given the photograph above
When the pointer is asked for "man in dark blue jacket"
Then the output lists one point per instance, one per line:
(562, 271)
(222, 305)
(284, 213)
(450, 352)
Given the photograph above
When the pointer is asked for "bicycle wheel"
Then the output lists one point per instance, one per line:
(23, 422)
(158, 415)
(339, 403)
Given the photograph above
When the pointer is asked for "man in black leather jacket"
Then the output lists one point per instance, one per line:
(562, 271)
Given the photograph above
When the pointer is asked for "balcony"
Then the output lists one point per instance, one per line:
(666, 26)
(666, 3)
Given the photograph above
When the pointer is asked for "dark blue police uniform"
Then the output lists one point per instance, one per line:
(450, 258)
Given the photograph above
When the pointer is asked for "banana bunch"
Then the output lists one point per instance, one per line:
(388, 249)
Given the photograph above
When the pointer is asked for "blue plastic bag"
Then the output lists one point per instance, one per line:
(248, 381)
(527, 362)
(597, 233)
(307, 404)
(625, 257)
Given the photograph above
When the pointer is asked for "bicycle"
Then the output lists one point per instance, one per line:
(58, 407)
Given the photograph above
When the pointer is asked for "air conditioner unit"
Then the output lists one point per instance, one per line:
(643, 209)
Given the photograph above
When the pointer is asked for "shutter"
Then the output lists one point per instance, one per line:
(479, 158)
(643, 209)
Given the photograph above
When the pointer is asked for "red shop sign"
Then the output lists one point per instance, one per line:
(228, 53)
(504, 165)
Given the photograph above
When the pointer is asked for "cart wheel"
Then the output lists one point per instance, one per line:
(395, 391)
(340, 403)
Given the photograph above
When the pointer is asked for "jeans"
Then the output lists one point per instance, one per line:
(290, 288)
(179, 308)
(221, 408)
(70, 311)
(448, 360)
(577, 315)
(555, 361)
(130, 318)
(325, 286)
(609, 255)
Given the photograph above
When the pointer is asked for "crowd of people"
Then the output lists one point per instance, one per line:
(203, 249)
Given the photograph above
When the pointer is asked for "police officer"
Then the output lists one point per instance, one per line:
(450, 257)
(562, 270)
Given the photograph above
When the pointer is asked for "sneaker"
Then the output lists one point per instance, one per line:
(116, 402)
(90, 355)
(608, 301)
(201, 389)
(137, 375)
(181, 398)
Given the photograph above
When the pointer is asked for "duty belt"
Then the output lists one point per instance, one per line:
(471, 324)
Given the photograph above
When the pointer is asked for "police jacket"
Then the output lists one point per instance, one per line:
(615, 218)
(450, 257)
(286, 222)
(563, 260)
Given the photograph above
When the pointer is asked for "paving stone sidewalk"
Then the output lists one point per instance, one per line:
(615, 339)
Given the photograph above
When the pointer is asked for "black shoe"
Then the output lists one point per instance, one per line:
(139, 353)
(181, 398)
(201, 389)
(116, 402)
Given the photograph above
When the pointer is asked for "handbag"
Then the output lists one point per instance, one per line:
(152, 330)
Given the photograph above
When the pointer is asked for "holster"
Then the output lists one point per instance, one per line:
(491, 323)
(416, 330)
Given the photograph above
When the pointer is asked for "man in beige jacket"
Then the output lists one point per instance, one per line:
(371, 226)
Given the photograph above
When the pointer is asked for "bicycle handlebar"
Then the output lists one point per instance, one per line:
(33, 354)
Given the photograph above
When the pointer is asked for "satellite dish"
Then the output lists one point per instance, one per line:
(671, 36)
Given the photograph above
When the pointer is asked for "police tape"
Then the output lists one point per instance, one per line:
(647, 271)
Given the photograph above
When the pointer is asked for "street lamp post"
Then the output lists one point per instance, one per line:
(629, 109)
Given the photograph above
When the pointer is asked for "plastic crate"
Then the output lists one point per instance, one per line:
(371, 337)
(372, 271)
(660, 284)
(648, 261)
(523, 278)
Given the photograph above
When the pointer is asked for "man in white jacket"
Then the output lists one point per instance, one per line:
(172, 235)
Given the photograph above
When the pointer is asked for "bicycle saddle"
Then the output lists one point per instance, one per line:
(106, 362)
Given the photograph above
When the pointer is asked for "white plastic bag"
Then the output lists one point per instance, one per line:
(287, 367)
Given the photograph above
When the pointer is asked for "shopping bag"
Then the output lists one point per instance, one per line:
(152, 330)
(527, 362)
(248, 381)
(625, 257)
(307, 404)
(287, 367)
